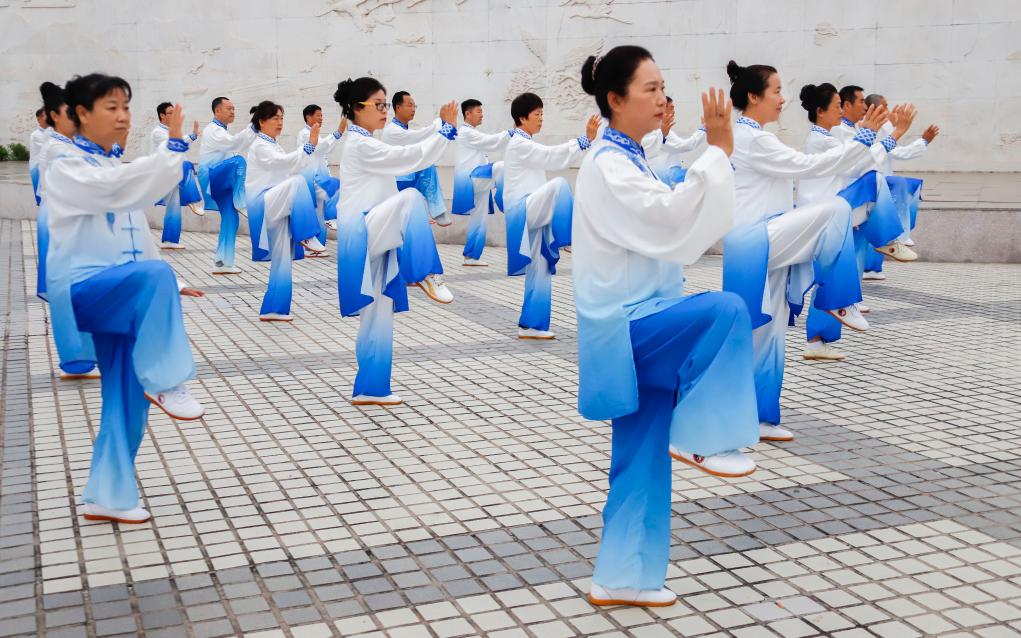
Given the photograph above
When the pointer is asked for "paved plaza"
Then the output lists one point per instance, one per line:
(474, 508)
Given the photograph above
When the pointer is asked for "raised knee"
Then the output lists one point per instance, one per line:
(729, 305)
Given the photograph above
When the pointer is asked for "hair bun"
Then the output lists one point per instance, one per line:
(734, 71)
(808, 96)
(588, 82)
(340, 96)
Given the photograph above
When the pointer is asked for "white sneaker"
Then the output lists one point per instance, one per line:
(171, 245)
(850, 317)
(873, 276)
(226, 270)
(96, 512)
(822, 351)
(70, 376)
(178, 403)
(468, 261)
(863, 309)
(197, 209)
(532, 333)
(898, 251)
(599, 595)
(770, 432)
(331, 224)
(273, 316)
(444, 220)
(566, 249)
(313, 244)
(730, 464)
(365, 399)
(436, 289)
(909, 242)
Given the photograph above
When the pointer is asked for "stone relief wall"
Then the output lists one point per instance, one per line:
(959, 60)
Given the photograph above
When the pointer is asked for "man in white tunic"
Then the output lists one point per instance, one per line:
(186, 193)
(398, 132)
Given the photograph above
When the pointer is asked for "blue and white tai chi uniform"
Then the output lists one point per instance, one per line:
(52, 147)
(475, 179)
(665, 367)
(776, 252)
(281, 213)
(425, 180)
(221, 174)
(187, 192)
(36, 139)
(113, 300)
(538, 217)
(666, 158)
(384, 243)
(325, 185)
(874, 220)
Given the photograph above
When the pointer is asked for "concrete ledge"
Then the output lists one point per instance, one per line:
(983, 234)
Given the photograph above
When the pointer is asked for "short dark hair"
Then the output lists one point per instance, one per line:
(873, 99)
(310, 110)
(85, 90)
(469, 104)
(161, 109)
(523, 106)
(53, 99)
(745, 80)
(848, 92)
(611, 73)
(351, 93)
(815, 97)
(217, 101)
(669, 100)
(263, 111)
(398, 98)
(39, 112)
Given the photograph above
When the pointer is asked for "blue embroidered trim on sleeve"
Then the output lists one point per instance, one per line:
(866, 137)
(192, 136)
(308, 148)
(584, 143)
(889, 144)
(702, 128)
(448, 131)
(336, 135)
(177, 145)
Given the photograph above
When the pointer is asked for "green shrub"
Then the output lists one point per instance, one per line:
(19, 153)
(4, 153)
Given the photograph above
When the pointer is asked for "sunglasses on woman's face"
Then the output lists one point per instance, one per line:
(382, 107)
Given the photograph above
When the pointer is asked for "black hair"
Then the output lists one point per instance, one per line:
(468, 105)
(611, 72)
(398, 98)
(263, 111)
(39, 111)
(161, 109)
(85, 90)
(350, 93)
(217, 101)
(815, 97)
(669, 100)
(745, 80)
(53, 99)
(310, 110)
(848, 92)
(523, 106)
(873, 99)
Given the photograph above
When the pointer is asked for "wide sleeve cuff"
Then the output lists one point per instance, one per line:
(865, 136)
(584, 143)
(308, 148)
(177, 145)
(448, 131)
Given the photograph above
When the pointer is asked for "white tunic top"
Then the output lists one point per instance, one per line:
(632, 235)
(159, 136)
(765, 169)
(269, 164)
(525, 163)
(35, 145)
(668, 154)
(473, 147)
(218, 144)
(819, 140)
(327, 142)
(53, 147)
(396, 133)
(368, 166)
(915, 149)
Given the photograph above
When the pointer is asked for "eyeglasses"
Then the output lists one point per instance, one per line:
(382, 107)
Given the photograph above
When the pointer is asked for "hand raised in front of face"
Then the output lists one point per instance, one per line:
(719, 129)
